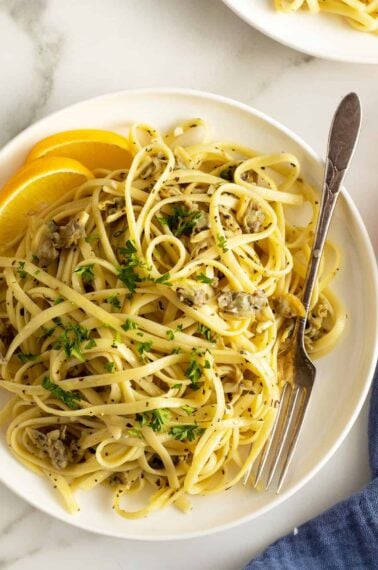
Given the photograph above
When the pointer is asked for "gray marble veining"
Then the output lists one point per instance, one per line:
(45, 46)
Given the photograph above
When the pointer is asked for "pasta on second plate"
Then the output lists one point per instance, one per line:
(361, 14)
(142, 316)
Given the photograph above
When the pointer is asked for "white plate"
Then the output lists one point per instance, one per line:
(321, 35)
(344, 376)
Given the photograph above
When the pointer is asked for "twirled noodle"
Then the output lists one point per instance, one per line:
(142, 317)
(361, 14)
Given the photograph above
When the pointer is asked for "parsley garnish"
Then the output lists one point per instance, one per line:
(128, 250)
(176, 386)
(163, 279)
(182, 221)
(222, 243)
(143, 347)
(26, 357)
(160, 417)
(194, 373)
(155, 419)
(129, 325)
(68, 397)
(114, 300)
(109, 366)
(163, 220)
(86, 272)
(134, 432)
(91, 344)
(91, 237)
(126, 272)
(188, 409)
(20, 269)
(204, 279)
(142, 418)
(207, 364)
(58, 299)
(206, 332)
(187, 432)
(170, 335)
(70, 340)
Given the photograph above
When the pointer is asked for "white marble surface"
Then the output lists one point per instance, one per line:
(55, 52)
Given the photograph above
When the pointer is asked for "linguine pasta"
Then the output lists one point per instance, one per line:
(142, 316)
(361, 14)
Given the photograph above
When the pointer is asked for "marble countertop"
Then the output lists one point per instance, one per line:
(54, 53)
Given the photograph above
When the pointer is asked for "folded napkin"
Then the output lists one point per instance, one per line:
(343, 538)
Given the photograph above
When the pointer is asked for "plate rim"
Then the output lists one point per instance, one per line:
(365, 60)
(368, 250)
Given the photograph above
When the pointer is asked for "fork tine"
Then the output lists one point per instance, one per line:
(294, 439)
(285, 399)
(283, 435)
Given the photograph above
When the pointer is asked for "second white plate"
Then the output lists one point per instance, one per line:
(321, 35)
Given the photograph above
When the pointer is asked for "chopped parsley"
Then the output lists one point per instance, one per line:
(67, 396)
(58, 299)
(92, 237)
(86, 273)
(176, 386)
(188, 409)
(129, 325)
(163, 279)
(163, 220)
(109, 366)
(206, 332)
(182, 221)
(207, 365)
(114, 301)
(20, 269)
(187, 432)
(170, 335)
(134, 432)
(91, 344)
(222, 243)
(26, 357)
(143, 347)
(71, 339)
(129, 251)
(155, 419)
(194, 373)
(126, 272)
(160, 417)
(204, 279)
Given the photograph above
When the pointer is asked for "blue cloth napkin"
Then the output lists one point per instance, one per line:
(343, 538)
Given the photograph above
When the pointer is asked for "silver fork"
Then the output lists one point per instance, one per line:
(299, 370)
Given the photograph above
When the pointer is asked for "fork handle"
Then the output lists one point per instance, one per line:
(342, 140)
